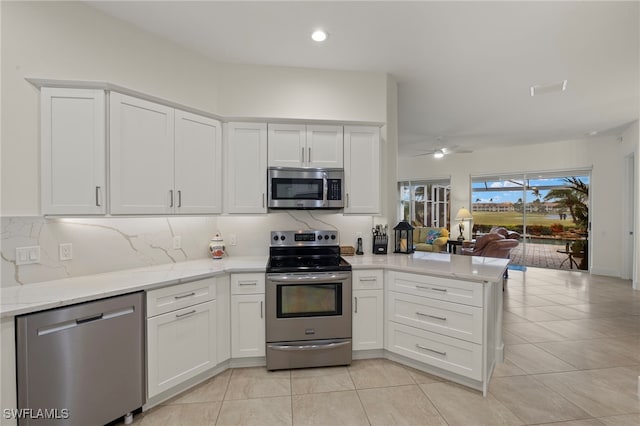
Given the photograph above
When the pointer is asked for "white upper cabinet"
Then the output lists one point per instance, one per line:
(245, 152)
(362, 169)
(73, 151)
(299, 145)
(163, 161)
(198, 164)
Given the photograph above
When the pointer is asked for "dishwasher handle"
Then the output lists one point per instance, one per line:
(89, 318)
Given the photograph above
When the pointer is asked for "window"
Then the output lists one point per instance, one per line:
(424, 203)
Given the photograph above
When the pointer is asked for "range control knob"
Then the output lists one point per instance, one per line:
(275, 238)
(282, 237)
(333, 236)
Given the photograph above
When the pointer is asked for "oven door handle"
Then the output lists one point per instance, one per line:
(309, 347)
(308, 278)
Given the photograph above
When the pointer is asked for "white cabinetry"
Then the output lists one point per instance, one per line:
(444, 323)
(368, 309)
(299, 145)
(163, 160)
(247, 315)
(73, 151)
(246, 168)
(181, 333)
(362, 169)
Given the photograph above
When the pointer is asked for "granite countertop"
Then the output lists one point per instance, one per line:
(18, 300)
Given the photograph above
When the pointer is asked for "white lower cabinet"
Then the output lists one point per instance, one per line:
(368, 315)
(181, 343)
(248, 337)
(449, 324)
(368, 310)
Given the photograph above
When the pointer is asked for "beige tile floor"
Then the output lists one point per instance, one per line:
(572, 357)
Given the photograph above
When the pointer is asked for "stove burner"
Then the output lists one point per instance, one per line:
(298, 251)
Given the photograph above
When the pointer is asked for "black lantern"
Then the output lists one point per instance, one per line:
(404, 237)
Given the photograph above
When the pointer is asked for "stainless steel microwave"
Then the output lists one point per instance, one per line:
(292, 188)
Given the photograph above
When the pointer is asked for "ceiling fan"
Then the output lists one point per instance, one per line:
(445, 150)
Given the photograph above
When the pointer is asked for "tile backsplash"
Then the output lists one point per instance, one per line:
(114, 243)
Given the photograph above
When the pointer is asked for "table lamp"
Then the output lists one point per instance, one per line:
(462, 215)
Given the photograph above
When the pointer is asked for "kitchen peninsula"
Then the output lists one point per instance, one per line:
(441, 313)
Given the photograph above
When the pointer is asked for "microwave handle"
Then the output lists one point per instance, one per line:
(325, 189)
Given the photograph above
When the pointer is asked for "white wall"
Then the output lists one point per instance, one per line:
(603, 154)
(277, 92)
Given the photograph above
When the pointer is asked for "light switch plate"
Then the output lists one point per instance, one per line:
(65, 251)
(27, 255)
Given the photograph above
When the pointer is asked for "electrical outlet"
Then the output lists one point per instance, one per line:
(233, 240)
(177, 242)
(27, 255)
(65, 251)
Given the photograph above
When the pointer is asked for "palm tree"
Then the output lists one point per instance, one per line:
(574, 198)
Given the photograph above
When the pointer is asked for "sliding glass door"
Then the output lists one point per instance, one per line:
(549, 210)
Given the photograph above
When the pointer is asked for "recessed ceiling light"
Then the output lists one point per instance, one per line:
(319, 35)
(542, 89)
(438, 154)
(592, 133)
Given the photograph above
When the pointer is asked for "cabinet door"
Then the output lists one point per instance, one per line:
(246, 168)
(247, 326)
(73, 151)
(198, 164)
(325, 146)
(362, 169)
(141, 153)
(368, 317)
(287, 145)
(180, 344)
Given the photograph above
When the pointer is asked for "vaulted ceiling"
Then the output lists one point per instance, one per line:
(464, 69)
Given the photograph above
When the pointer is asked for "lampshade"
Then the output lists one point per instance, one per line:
(463, 214)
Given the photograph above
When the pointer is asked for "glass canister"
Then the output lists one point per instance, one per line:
(216, 246)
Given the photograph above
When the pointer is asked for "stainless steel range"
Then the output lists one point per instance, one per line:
(308, 301)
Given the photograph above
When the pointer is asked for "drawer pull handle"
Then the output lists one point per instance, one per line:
(444, 290)
(185, 296)
(431, 350)
(431, 316)
(186, 314)
(247, 282)
(356, 311)
(261, 310)
(368, 279)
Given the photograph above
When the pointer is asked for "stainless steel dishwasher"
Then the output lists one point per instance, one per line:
(81, 364)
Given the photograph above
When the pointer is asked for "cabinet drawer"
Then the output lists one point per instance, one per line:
(180, 296)
(247, 283)
(367, 279)
(456, 291)
(457, 356)
(450, 319)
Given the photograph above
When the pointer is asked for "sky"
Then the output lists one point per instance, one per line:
(502, 196)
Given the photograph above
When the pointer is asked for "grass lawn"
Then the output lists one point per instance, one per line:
(512, 219)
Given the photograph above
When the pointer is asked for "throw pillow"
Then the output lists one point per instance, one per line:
(432, 235)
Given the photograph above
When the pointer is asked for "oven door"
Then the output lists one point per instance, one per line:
(308, 306)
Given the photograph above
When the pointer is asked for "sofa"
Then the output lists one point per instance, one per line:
(492, 245)
(430, 239)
